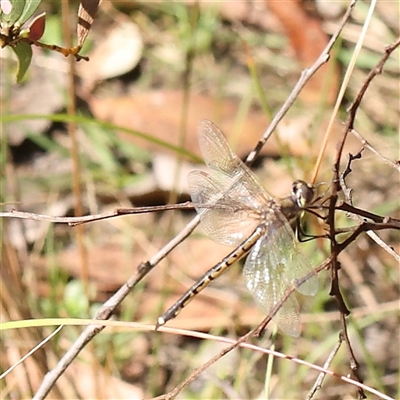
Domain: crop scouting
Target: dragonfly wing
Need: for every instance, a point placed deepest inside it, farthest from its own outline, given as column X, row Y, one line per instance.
column 236, row 176
column 297, row 266
column 273, row 265
column 225, row 219
column 215, row 149
column 264, row 274
column 300, row 267
column 287, row 317
column 234, row 190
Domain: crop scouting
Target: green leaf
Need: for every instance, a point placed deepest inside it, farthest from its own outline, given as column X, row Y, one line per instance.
column 17, row 7
column 30, row 7
column 23, row 52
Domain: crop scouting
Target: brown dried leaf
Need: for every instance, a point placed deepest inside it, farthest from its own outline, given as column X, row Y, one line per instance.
column 308, row 40
column 86, row 14
column 138, row 113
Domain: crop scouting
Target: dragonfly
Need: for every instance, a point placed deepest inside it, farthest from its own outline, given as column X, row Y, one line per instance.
column 236, row 210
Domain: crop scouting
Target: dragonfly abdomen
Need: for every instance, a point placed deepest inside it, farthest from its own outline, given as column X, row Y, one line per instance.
column 212, row 274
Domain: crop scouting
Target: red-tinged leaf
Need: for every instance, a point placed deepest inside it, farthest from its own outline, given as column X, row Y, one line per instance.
column 37, row 26
column 23, row 51
column 86, row 14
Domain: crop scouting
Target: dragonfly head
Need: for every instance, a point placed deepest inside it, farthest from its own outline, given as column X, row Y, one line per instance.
column 302, row 193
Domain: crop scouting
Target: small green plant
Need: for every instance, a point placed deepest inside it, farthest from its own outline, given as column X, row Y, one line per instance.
column 13, row 15
column 20, row 35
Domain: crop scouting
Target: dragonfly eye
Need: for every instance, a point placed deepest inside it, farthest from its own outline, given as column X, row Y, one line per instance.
column 302, row 193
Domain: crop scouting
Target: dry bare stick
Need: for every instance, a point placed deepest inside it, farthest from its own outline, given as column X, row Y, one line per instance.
column 72, row 221
column 335, row 289
column 29, row 354
column 358, row 214
column 108, row 308
column 305, row 76
column 321, row 376
column 393, row 164
column 367, row 145
column 361, row 213
column 343, row 206
column 117, row 212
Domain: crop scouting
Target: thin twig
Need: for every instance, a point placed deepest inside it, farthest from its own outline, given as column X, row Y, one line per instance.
column 305, row 76
column 321, row 376
column 29, row 354
column 72, row 221
column 367, row 145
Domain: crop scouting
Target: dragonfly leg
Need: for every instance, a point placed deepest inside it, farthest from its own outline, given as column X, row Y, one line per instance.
column 302, row 236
